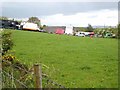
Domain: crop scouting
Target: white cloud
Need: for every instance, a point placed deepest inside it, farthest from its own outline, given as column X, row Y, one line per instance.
column 107, row 17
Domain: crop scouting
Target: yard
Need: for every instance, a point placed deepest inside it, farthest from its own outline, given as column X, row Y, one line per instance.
column 72, row 61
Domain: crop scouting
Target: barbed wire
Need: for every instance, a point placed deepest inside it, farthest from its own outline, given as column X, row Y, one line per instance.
column 25, row 72
column 17, row 66
column 53, row 82
column 14, row 78
column 44, row 76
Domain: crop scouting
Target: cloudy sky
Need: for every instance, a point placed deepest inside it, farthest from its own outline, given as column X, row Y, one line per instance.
column 64, row 13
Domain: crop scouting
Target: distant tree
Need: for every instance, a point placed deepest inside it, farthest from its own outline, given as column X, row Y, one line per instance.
column 83, row 29
column 34, row 20
column 103, row 33
column 100, row 32
column 90, row 28
column 42, row 27
column 96, row 30
column 3, row 18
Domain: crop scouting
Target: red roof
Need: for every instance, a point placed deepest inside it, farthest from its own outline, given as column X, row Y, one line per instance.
column 59, row 31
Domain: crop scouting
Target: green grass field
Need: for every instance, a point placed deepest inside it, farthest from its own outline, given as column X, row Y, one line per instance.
column 73, row 61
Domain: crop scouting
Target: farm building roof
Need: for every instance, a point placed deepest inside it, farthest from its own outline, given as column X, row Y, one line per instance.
column 52, row 29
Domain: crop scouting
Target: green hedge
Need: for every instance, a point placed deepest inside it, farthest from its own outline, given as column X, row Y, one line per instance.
column 7, row 42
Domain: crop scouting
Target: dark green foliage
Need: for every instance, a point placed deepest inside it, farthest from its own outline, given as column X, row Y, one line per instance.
column 82, row 29
column 34, row 20
column 79, row 29
column 89, row 28
column 7, row 42
column 103, row 31
column 42, row 27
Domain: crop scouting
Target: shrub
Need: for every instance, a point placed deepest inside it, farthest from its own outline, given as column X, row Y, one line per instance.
column 7, row 60
column 7, row 42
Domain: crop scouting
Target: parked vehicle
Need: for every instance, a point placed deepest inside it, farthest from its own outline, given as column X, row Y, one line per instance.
column 80, row 34
column 83, row 34
column 30, row 26
column 108, row 35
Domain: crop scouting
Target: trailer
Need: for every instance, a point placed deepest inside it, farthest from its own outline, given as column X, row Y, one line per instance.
column 30, row 26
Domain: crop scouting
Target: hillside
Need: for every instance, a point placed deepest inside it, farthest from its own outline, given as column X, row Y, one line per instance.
column 73, row 61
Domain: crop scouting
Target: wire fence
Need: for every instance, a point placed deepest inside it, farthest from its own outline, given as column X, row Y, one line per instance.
column 19, row 76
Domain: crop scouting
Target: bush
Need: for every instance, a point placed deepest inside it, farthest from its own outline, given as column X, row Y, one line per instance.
column 7, row 42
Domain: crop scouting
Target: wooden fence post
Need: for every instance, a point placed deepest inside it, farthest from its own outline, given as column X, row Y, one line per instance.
column 38, row 76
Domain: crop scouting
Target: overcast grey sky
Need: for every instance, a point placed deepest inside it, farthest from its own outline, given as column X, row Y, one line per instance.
column 54, row 13
column 27, row 9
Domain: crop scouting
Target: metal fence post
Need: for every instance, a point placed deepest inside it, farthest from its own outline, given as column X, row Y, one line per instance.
column 38, row 76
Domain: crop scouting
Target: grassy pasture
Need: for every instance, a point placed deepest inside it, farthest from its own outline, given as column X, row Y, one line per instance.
column 73, row 61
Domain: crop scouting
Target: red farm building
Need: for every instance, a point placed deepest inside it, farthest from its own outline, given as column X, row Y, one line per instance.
column 59, row 31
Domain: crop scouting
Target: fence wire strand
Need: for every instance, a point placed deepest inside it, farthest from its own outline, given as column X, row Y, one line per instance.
column 52, row 82
column 18, row 66
column 11, row 77
column 44, row 76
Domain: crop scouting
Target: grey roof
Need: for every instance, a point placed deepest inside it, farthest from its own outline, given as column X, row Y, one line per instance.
column 52, row 29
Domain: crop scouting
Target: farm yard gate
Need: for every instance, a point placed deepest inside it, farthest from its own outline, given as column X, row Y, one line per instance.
column 19, row 76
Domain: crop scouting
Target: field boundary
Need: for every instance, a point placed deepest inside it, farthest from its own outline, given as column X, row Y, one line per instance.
column 10, row 80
